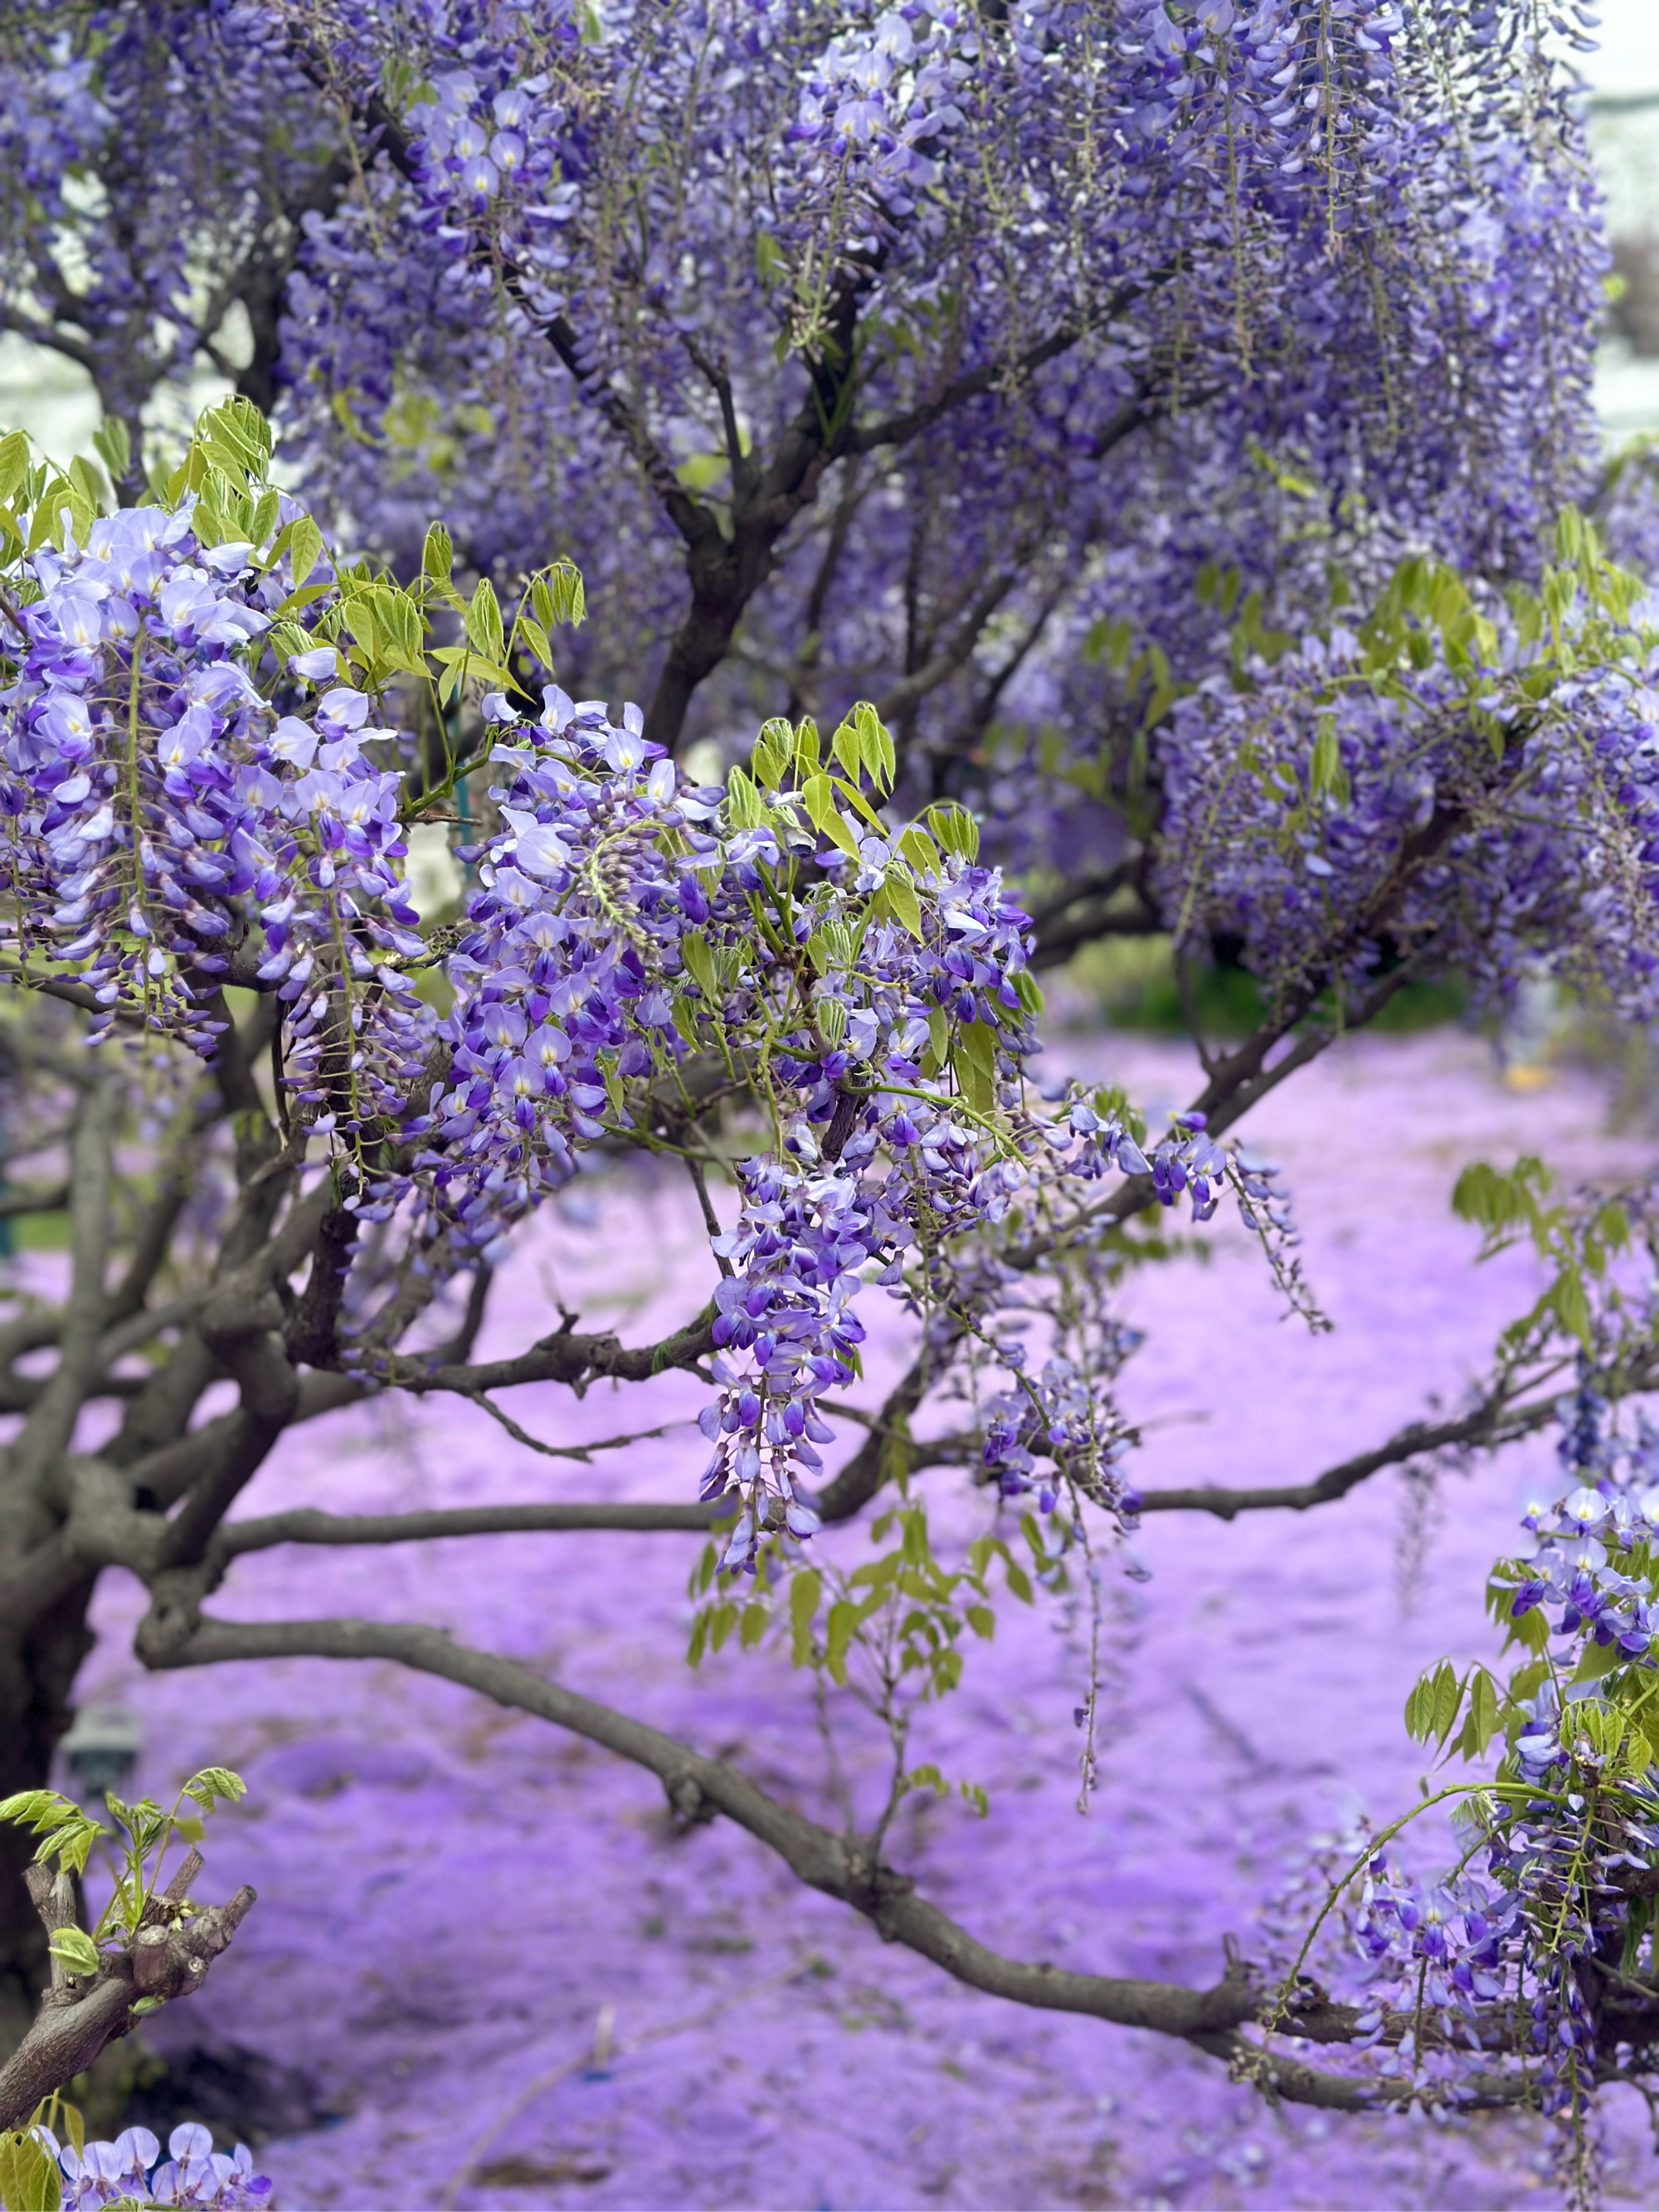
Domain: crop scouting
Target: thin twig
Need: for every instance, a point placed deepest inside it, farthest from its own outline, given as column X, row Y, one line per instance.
column 582, row 1452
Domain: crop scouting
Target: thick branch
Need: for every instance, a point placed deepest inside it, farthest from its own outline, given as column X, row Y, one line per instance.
column 824, row 1861
column 51, row 1421
column 305, row 1525
column 697, row 1787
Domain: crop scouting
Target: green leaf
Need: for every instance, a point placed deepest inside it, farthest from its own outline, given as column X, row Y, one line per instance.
column 73, row 1948
column 266, row 509
column 983, row 1622
column 400, row 624
column 745, row 804
column 924, row 1778
column 1419, row 1709
column 13, row 464
column 1599, row 1659
column 1326, row 777
column 68, row 1833
column 1571, row 1306
column 955, row 830
column 1481, row 1724
column 699, row 958
column 771, row 754
column 899, row 886
column 84, row 478
column 564, row 582
column 536, row 637
column 483, row 620
column 701, row 471
column 30, row 2180
column 838, row 1634
column 114, row 446
column 845, row 747
column 215, row 1782
column 359, row 617
column 753, row 1627
column 1447, row 1697
column 304, row 547
column 975, row 1061
column 803, row 1595
column 437, row 553
column 819, row 798
column 919, row 849
column 872, row 747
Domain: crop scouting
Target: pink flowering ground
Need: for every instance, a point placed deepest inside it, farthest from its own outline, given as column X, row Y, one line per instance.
column 483, row 1945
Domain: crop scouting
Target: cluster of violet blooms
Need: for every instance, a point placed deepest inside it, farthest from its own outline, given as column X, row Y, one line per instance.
column 167, row 829
column 921, row 151
column 131, row 2168
column 573, row 946
column 149, row 797
column 1557, row 874
column 1447, row 1953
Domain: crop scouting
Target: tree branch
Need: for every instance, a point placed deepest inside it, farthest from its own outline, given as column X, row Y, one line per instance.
column 824, row 1861
column 83, row 2013
column 46, row 1431
column 1488, row 1426
column 899, row 430
column 838, row 1866
column 567, row 1358
column 305, row 1525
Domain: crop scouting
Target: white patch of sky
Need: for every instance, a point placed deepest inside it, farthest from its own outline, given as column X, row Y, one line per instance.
column 1625, row 68
column 1627, row 57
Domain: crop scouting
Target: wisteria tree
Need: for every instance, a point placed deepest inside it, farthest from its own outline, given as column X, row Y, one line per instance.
column 1127, row 461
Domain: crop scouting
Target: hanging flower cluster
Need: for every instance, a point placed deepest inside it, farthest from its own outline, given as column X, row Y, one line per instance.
column 1439, row 775
column 1548, row 1913
column 166, row 831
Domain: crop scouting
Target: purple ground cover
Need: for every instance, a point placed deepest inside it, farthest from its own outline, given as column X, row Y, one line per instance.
column 483, row 1943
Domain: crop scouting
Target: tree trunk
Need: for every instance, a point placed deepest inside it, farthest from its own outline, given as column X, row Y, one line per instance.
column 37, row 1672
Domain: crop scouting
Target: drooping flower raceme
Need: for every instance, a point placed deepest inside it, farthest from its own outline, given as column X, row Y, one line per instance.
column 1551, row 1895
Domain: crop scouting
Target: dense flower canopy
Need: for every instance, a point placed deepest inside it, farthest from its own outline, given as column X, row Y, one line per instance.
column 199, row 794
column 1124, row 458
column 919, row 342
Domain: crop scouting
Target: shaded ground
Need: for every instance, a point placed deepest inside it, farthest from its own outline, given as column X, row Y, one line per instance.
column 482, row 1942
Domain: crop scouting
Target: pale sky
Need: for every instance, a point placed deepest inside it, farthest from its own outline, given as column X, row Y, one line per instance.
column 1628, row 61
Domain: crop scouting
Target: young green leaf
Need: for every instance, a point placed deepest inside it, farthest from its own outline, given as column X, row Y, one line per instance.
column 73, row 1948
column 803, row 1595
column 13, row 464
column 30, row 2179
column 483, row 620
column 304, row 548
column 437, row 553
column 900, row 887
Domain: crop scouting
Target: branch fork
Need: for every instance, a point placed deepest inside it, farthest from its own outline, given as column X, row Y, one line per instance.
column 168, row 1957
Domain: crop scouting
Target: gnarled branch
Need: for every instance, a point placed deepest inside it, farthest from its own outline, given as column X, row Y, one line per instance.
column 839, row 1867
